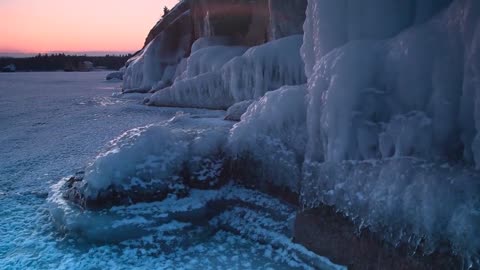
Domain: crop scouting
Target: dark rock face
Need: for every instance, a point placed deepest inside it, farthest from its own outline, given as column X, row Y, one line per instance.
column 247, row 22
column 286, row 18
column 328, row 233
column 168, row 20
column 73, row 191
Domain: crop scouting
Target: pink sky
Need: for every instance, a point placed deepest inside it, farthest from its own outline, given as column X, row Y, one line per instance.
column 33, row 26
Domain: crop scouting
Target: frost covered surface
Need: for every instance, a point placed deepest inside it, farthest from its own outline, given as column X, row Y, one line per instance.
column 272, row 134
column 212, row 77
column 172, row 228
column 393, row 123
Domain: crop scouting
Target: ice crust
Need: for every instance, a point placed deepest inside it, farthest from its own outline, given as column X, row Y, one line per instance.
column 168, row 229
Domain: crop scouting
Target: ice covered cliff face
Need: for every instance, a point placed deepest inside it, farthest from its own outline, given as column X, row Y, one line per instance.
column 393, row 118
column 241, row 23
column 218, row 76
column 158, row 60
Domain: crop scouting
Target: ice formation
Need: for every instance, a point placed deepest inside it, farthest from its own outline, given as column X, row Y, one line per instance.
column 197, row 81
column 271, row 137
column 264, row 68
column 405, row 96
column 209, row 80
column 153, row 64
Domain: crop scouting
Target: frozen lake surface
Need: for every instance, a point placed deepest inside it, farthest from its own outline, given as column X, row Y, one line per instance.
column 52, row 125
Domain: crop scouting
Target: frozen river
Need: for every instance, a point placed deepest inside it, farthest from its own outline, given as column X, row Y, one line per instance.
column 51, row 125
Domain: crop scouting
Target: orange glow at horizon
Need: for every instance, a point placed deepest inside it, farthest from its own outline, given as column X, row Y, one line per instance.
column 33, row 26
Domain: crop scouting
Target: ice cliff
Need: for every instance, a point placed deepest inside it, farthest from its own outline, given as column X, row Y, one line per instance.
column 374, row 110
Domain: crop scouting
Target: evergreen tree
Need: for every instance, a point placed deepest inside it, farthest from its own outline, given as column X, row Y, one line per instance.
column 165, row 11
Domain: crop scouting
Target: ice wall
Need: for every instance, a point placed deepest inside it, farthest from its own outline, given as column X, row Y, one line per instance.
column 369, row 97
column 338, row 22
column 393, row 118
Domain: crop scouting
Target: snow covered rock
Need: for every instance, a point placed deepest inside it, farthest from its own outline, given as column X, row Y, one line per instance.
column 151, row 162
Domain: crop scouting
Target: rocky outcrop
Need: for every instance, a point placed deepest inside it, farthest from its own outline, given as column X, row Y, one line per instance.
column 286, row 18
column 327, row 232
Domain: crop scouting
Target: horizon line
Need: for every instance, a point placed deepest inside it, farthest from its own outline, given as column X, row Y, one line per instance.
column 88, row 53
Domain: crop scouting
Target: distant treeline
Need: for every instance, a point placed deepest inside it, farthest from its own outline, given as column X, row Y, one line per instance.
column 60, row 61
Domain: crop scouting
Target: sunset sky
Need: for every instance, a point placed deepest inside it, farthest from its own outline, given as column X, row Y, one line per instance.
column 33, row 26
